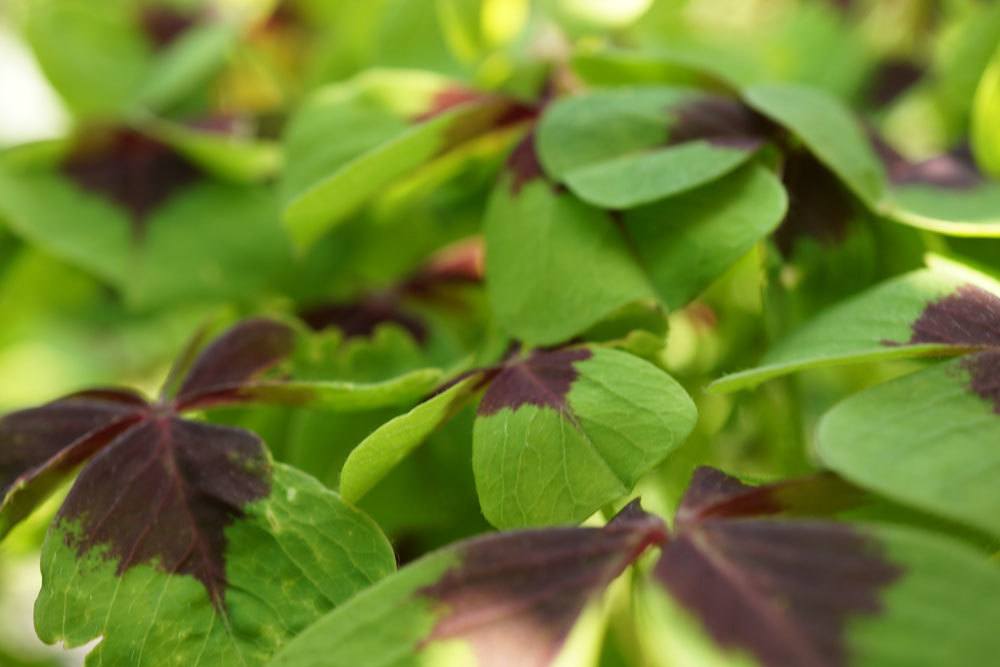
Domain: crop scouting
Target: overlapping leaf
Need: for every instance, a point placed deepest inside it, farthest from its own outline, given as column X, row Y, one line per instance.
column 775, row 591
column 504, row 599
column 928, row 439
column 875, row 325
column 187, row 508
column 586, row 263
column 40, row 446
column 125, row 206
column 357, row 138
column 549, row 443
column 626, row 147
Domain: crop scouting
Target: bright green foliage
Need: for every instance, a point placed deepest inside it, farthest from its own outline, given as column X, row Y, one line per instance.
column 924, row 439
column 686, row 242
column 537, row 465
column 985, row 129
column 294, row 556
column 381, row 451
column 574, row 256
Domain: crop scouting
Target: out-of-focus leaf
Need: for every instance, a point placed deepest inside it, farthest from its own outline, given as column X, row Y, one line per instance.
column 828, row 130
column 626, row 147
column 985, row 128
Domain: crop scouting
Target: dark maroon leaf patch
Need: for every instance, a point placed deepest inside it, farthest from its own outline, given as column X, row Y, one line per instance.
column 892, row 78
column 783, row 590
column 163, row 492
column 721, row 121
column 130, row 169
column 157, row 489
column 819, row 206
column 163, row 24
column 433, row 283
column 953, row 170
column 970, row 317
column 515, row 596
column 523, row 164
column 542, row 379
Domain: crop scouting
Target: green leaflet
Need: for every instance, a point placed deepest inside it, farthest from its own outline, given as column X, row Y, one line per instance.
column 535, row 464
column 91, row 52
column 922, row 621
column 48, row 211
column 295, row 555
column 828, row 129
column 382, row 451
column 573, row 257
column 609, row 147
column 679, row 63
column 241, row 249
column 872, row 326
column 96, row 57
column 358, row 138
column 973, row 211
column 925, row 439
column 584, row 267
column 688, row 241
column 186, row 64
column 235, row 158
column 985, row 129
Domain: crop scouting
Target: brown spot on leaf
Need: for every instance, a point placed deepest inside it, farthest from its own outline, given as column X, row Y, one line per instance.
column 783, row 590
column 892, row 78
column 360, row 318
column 523, row 164
column 515, row 596
column 130, row 169
column 721, row 121
column 163, row 494
column 969, row 317
column 163, row 24
column 447, row 99
column 542, row 379
column 819, row 206
column 953, row 170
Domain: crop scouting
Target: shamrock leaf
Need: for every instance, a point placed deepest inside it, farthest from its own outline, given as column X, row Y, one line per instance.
column 503, row 599
column 770, row 588
column 626, row 147
column 164, row 501
column 547, row 444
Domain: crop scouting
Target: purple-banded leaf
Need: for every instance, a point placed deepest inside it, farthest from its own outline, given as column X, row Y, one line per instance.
column 187, row 508
column 356, row 138
column 234, row 358
column 775, row 591
column 503, row 599
column 875, row 325
column 550, row 441
column 129, row 169
column 819, row 205
column 622, row 148
column 927, row 439
column 41, row 446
